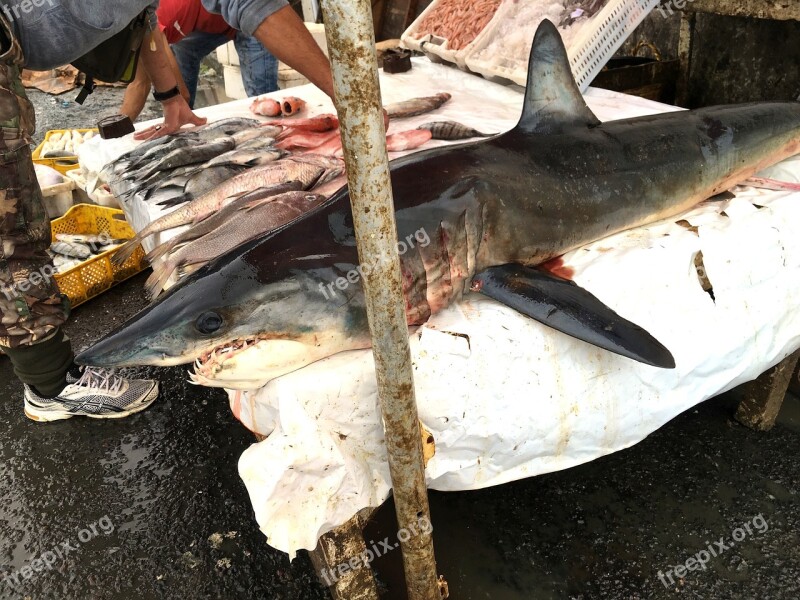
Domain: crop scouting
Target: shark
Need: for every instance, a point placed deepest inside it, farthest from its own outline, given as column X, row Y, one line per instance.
column 478, row 217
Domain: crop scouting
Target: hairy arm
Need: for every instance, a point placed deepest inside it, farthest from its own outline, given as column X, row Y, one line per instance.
column 286, row 37
column 136, row 93
column 157, row 65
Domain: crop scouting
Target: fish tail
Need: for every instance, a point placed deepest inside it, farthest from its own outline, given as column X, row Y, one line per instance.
column 158, row 278
column 160, row 251
column 126, row 250
column 182, row 199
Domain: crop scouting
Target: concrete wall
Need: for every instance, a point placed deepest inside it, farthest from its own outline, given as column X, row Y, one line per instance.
column 734, row 59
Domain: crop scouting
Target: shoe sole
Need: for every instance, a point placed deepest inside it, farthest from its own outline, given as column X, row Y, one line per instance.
column 43, row 416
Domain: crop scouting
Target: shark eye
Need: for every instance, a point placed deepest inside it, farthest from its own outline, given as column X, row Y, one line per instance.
column 208, row 322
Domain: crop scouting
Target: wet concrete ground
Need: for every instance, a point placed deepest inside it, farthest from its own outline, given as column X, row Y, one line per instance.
column 183, row 528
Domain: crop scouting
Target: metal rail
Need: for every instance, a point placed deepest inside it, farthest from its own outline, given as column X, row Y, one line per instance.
column 351, row 46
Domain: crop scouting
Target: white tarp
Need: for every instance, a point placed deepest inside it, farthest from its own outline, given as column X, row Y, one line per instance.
column 506, row 397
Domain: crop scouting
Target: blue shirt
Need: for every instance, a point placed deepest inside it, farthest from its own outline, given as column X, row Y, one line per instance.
column 56, row 32
column 244, row 15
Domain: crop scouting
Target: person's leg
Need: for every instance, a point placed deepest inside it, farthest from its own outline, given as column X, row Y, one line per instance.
column 32, row 309
column 190, row 52
column 259, row 67
column 30, row 303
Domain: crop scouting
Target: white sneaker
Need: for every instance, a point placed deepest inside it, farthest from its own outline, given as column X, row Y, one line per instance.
column 97, row 394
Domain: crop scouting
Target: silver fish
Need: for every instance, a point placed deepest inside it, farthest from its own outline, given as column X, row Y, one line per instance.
column 191, row 155
column 210, row 202
column 259, row 216
column 73, row 250
column 215, row 220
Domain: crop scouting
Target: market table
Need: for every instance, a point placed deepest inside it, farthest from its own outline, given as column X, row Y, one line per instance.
column 502, row 396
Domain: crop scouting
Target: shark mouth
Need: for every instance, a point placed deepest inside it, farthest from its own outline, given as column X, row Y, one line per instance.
column 211, row 363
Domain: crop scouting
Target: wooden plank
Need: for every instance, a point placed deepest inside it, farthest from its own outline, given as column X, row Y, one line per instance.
column 378, row 8
column 763, row 397
column 685, row 57
column 339, row 561
column 395, row 17
column 777, row 10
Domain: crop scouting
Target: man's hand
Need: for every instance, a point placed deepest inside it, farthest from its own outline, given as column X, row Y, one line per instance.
column 176, row 111
column 176, row 114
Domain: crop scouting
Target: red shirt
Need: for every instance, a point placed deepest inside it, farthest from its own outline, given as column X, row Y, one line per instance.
column 179, row 18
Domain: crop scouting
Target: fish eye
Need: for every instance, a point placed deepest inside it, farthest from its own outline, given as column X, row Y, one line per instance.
column 208, row 322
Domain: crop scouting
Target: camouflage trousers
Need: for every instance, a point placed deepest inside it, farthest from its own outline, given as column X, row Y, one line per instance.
column 31, row 306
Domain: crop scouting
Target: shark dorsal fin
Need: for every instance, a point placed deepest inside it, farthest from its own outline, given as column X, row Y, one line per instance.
column 552, row 98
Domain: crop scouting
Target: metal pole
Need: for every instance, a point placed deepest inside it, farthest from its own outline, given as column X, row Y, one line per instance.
column 351, row 47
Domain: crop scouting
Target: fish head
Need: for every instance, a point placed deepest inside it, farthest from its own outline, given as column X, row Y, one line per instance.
column 244, row 323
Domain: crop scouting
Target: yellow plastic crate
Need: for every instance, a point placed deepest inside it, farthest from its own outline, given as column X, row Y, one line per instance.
column 62, row 164
column 98, row 274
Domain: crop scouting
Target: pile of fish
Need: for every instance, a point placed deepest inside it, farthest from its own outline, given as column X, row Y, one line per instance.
column 72, row 250
column 457, row 21
column 236, row 178
column 62, row 144
column 510, row 42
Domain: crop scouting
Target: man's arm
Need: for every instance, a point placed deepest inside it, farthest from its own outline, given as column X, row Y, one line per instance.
column 136, row 93
column 275, row 24
column 176, row 111
column 286, row 37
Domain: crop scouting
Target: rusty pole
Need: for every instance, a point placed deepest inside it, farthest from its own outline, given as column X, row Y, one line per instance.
column 351, row 46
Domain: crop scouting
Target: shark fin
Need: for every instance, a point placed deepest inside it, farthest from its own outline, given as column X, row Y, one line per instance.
column 566, row 307
column 552, row 98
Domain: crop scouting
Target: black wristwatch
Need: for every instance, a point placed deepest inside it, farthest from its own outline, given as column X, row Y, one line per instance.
column 161, row 96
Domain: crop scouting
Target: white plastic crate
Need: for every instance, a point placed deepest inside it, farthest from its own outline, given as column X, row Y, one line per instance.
column 435, row 47
column 591, row 46
column 598, row 44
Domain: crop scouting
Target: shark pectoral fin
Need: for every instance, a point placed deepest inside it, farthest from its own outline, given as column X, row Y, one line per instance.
column 567, row 307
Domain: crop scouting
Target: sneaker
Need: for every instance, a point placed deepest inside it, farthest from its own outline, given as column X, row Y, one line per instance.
column 94, row 393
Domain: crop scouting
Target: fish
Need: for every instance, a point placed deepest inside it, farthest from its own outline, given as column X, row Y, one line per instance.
column 451, row 130
column 71, row 249
column 259, row 215
column 189, row 156
column 305, row 140
column 246, row 157
column 268, row 107
column 474, row 217
column 291, row 105
column 212, row 201
column 772, row 184
column 416, row 106
column 90, row 240
column 215, row 220
column 407, row 140
column 320, row 123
